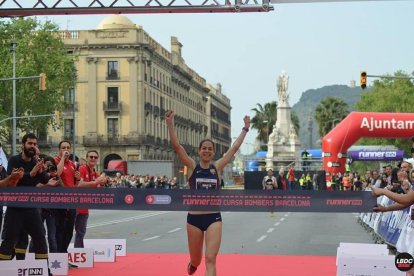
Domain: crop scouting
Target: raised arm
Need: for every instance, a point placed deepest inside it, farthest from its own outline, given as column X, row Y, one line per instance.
column 13, row 178
column 222, row 162
column 389, row 208
column 403, row 199
column 175, row 143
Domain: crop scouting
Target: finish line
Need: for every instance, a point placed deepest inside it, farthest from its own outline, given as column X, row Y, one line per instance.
column 186, row 200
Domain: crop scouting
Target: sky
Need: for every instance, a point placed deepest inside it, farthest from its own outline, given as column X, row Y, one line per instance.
column 317, row 44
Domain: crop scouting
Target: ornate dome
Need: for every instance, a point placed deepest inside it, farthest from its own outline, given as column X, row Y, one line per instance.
column 116, row 21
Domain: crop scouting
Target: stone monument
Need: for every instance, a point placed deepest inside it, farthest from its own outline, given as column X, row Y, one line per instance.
column 283, row 142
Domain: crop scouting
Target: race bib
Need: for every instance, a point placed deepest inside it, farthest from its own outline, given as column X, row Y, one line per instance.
column 206, row 184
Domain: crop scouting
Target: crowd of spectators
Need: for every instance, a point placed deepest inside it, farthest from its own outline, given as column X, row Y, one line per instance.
column 142, row 182
column 397, row 179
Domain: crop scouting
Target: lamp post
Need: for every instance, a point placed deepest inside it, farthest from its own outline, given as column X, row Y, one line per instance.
column 13, row 50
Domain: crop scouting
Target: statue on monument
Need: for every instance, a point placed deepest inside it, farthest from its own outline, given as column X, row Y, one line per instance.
column 282, row 87
column 274, row 136
column 292, row 132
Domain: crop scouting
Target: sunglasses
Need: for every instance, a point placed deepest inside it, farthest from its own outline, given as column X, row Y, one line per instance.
column 93, row 157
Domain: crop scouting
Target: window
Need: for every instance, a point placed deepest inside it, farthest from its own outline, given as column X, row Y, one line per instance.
column 113, row 70
column 69, row 96
column 113, row 127
column 68, row 128
column 112, row 99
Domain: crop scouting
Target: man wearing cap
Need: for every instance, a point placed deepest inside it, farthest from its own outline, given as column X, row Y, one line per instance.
column 269, row 181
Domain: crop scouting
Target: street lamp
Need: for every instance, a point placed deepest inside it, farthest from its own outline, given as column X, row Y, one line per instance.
column 13, row 50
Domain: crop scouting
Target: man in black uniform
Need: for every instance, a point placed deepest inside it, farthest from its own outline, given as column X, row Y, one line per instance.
column 18, row 220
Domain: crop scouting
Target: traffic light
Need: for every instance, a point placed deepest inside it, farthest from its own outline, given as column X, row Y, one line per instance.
column 363, row 80
column 42, row 82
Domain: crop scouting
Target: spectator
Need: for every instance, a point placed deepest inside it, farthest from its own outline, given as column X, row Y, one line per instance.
column 65, row 218
column 89, row 178
column 269, row 182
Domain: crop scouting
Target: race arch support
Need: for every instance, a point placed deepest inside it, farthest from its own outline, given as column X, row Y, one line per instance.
column 362, row 124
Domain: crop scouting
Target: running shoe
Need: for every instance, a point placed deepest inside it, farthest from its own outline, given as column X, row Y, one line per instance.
column 191, row 269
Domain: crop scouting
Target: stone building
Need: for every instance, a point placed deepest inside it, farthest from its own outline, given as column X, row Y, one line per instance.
column 126, row 81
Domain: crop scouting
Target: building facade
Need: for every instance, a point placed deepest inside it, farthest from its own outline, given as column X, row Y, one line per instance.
column 126, row 81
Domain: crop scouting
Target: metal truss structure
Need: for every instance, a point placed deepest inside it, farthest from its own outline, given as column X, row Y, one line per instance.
column 19, row 8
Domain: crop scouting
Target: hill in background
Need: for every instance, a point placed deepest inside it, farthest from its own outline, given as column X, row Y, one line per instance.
column 308, row 102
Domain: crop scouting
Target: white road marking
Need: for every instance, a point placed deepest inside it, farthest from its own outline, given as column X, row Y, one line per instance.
column 276, row 224
column 151, row 238
column 270, row 230
column 174, row 230
column 110, row 222
column 261, row 238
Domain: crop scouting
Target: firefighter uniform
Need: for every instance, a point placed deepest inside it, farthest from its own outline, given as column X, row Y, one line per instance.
column 20, row 220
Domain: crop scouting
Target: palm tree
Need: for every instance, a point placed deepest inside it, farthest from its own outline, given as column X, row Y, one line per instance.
column 331, row 110
column 264, row 119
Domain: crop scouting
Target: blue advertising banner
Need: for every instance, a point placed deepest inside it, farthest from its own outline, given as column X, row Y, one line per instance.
column 376, row 155
column 185, row 200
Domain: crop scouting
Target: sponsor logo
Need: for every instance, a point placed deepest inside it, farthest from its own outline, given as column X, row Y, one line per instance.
column 158, row 199
column 29, row 271
column 129, row 199
column 77, row 257
column 371, row 124
column 118, row 246
column 55, row 264
column 404, row 261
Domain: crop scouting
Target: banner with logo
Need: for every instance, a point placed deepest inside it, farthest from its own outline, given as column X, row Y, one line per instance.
column 376, row 155
column 395, row 226
column 405, row 241
column 184, row 200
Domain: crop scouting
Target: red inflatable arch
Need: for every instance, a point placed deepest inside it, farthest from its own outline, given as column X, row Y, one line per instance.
column 362, row 124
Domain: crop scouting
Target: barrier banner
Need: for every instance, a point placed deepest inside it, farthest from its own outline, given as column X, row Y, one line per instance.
column 184, row 200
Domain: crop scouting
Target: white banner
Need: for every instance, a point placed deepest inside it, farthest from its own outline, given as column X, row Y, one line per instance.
column 58, row 262
column 119, row 244
column 405, row 241
column 81, row 257
column 3, row 159
column 24, row 268
column 104, row 253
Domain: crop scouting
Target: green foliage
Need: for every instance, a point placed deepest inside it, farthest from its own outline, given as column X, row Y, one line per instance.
column 39, row 50
column 264, row 120
column 329, row 113
column 388, row 95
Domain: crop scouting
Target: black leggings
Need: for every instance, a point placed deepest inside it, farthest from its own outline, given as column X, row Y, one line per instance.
column 203, row 221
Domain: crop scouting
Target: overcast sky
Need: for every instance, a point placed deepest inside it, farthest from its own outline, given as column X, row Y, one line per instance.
column 317, row 44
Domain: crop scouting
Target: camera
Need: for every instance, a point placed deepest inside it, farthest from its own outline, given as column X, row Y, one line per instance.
column 51, row 167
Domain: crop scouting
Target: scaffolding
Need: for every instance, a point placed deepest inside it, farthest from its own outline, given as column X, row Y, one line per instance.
column 20, row 8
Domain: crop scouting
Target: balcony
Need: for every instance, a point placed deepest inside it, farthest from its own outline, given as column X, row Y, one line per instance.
column 113, row 75
column 112, row 107
column 70, row 107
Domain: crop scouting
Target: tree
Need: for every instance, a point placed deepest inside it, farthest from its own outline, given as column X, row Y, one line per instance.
column 265, row 118
column 331, row 110
column 388, row 95
column 39, row 50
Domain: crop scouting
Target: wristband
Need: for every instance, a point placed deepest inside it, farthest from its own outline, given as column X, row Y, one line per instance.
column 245, row 129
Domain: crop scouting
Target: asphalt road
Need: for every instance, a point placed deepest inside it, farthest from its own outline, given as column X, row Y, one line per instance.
column 316, row 234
